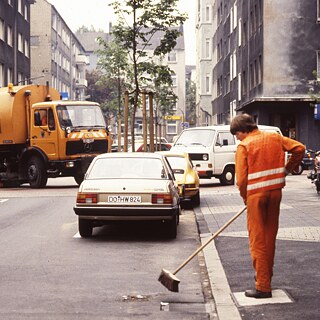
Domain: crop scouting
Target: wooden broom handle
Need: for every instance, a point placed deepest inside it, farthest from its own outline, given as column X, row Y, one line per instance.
column 210, row 239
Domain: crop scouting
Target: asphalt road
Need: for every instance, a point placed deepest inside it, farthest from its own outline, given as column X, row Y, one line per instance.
column 49, row 272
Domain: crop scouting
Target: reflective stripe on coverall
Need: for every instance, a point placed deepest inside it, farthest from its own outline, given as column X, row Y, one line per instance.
column 260, row 176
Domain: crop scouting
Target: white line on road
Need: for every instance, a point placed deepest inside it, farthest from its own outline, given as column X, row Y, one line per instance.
column 3, row 200
column 77, row 235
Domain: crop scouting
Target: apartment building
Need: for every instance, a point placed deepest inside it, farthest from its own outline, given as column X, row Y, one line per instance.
column 171, row 126
column 14, row 41
column 264, row 55
column 57, row 56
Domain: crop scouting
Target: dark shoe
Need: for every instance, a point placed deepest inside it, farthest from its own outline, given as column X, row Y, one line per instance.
column 258, row 294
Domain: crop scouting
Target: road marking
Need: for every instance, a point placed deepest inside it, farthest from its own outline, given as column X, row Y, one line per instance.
column 3, row 200
column 278, row 296
column 77, row 235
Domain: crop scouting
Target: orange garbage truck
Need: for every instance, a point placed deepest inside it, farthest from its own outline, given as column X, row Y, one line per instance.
column 44, row 137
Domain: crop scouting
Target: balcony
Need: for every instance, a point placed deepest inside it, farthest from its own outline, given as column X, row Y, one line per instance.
column 82, row 60
column 81, row 83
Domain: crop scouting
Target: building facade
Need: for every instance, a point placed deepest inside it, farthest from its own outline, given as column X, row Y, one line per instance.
column 265, row 55
column 57, row 56
column 15, row 42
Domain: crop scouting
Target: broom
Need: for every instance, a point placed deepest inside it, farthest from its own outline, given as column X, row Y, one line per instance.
column 169, row 280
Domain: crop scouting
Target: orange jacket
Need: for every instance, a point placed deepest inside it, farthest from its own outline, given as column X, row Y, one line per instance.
column 260, row 161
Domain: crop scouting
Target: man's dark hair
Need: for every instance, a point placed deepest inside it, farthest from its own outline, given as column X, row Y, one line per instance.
column 243, row 123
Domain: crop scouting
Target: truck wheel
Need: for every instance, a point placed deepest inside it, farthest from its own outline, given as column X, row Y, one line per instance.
column 85, row 228
column 78, row 178
column 36, row 173
column 227, row 177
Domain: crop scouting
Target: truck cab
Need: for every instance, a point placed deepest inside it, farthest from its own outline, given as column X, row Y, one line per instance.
column 43, row 138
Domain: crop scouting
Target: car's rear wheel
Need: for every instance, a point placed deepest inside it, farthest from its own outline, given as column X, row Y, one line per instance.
column 172, row 227
column 85, row 228
column 195, row 200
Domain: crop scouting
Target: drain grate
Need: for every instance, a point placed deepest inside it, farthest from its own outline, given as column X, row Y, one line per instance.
column 190, row 307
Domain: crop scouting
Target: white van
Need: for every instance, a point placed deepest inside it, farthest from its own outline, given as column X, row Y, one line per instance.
column 212, row 150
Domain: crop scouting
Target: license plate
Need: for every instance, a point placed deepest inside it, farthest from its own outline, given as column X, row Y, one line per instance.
column 124, row 199
column 88, row 140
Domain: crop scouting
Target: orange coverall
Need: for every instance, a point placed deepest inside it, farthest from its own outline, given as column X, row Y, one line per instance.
column 260, row 177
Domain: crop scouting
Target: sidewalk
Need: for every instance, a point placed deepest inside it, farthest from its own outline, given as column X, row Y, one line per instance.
column 296, row 280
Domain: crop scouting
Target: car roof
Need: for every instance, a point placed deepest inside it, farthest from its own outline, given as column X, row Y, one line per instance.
column 174, row 154
column 130, row 155
column 215, row 127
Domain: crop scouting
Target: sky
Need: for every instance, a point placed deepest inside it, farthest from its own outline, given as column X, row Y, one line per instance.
column 97, row 13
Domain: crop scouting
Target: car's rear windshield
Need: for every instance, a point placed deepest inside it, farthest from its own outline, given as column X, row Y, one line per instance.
column 199, row 137
column 127, row 168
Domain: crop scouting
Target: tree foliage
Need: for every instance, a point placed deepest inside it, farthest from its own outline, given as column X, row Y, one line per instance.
column 191, row 102
column 139, row 21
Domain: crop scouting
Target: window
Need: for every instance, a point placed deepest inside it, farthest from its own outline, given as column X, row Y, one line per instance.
column 239, row 32
column 171, row 127
column 235, row 15
column 251, row 76
column 172, row 56
column 10, row 2
column 239, row 86
column 225, row 138
column 2, row 30
column 260, row 69
column 318, row 64
column 54, row 22
column 20, row 6
column 20, row 42
column 1, row 75
column 244, row 83
column 245, row 33
column 208, row 14
column 174, row 80
column 233, row 107
column 207, row 83
column 9, row 36
column 207, row 48
column 40, row 117
column 26, row 48
column 26, row 12
column 9, row 75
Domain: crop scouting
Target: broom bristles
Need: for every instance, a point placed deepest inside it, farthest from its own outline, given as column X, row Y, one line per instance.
column 169, row 280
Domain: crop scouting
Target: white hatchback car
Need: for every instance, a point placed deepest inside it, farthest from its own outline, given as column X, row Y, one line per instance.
column 128, row 186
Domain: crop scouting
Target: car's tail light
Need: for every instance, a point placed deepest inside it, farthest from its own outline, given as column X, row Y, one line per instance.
column 87, row 198
column 162, row 198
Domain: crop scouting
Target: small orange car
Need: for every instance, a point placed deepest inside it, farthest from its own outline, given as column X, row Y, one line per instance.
column 186, row 176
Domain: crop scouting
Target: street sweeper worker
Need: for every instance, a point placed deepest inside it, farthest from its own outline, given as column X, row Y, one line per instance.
column 260, row 177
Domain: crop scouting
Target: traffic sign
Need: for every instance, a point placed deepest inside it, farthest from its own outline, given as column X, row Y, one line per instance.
column 172, row 117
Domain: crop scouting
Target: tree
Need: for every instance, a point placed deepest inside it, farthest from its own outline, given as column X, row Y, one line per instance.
column 139, row 22
column 113, row 61
column 191, row 102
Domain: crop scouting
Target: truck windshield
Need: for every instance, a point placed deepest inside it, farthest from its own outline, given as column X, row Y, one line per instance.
column 199, row 137
column 80, row 116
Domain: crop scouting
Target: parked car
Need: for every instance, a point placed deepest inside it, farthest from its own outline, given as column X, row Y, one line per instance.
column 163, row 146
column 128, row 187
column 186, row 175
